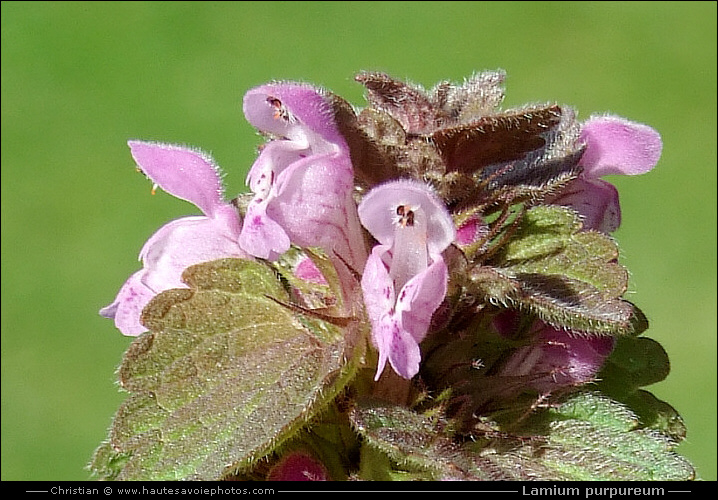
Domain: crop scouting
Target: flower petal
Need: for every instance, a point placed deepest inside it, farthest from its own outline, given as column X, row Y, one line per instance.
column 471, row 231
column 261, row 236
column 312, row 201
column 185, row 173
column 192, row 176
column 596, row 201
column 615, row 145
column 274, row 158
column 296, row 111
column 398, row 346
column 398, row 328
column 127, row 307
column 307, row 271
column 421, row 297
column 166, row 254
column 570, row 359
column 377, row 286
column 182, row 243
column 415, row 306
column 377, row 213
column 298, row 466
column 558, row 358
column 303, row 178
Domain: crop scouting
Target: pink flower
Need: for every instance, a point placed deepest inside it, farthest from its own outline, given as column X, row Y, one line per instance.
column 555, row 358
column 307, row 271
column 298, row 466
column 471, row 230
column 614, row 146
column 192, row 176
column 405, row 278
column 560, row 359
column 303, row 178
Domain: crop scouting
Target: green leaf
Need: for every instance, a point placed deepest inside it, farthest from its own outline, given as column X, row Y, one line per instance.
column 634, row 363
column 225, row 375
column 588, row 437
column 569, row 278
column 548, row 241
column 611, row 444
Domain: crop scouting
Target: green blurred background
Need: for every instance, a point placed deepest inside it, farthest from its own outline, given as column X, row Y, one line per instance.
column 80, row 79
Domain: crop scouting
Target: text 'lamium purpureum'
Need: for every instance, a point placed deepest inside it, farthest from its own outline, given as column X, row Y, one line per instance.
column 424, row 288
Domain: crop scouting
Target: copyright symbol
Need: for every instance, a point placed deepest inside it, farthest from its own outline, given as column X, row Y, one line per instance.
column 108, row 490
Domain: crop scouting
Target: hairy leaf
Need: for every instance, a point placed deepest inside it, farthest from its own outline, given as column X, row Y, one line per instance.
column 225, row 375
column 409, row 105
column 455, row 138
column 365, row 135
column 495, row 139
column 569, row 278
column 588, row 437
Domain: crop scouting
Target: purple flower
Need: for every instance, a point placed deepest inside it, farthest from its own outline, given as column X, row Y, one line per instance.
column 471, row 230
column 405, row 278
column 298, row 466
column 614, row 146
column 307, row 271
column 303, row 178
column 559, row 359
column 192, row 176
column 555, row 358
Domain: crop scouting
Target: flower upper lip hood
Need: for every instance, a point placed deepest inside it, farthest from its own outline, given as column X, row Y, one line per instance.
column 303, row 178
column 614, row 146
column 294, row 111
column 405, row 278
column 192, row 176
column 377, row 213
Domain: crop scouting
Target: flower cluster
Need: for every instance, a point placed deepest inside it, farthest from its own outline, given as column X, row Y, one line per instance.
column 425, row 203
column 303, row 185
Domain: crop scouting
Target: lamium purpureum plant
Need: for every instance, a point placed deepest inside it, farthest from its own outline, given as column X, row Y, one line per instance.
column 424, row 288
